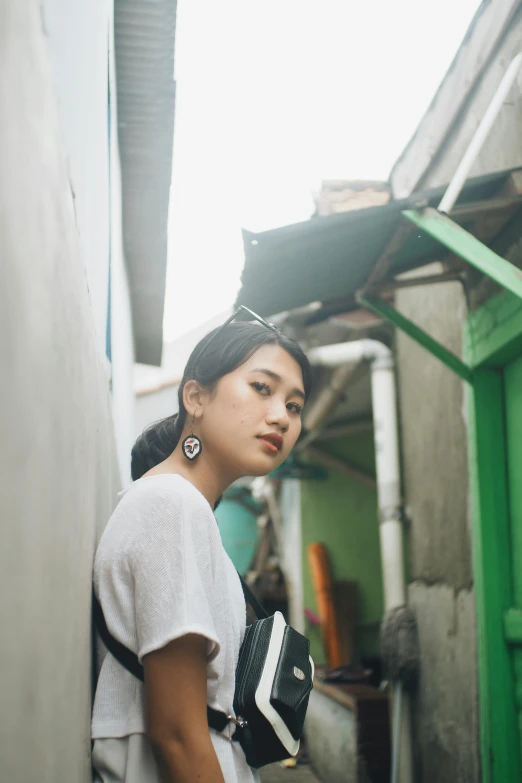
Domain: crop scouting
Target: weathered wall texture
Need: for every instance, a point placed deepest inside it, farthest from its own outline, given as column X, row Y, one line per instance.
column 434, row 438
column 58, row 469
column 445, row 718
column 503, row 148
column 446, row 129
column 433, row 430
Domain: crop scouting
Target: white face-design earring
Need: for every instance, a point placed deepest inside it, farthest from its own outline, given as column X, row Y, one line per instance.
column 192, row 446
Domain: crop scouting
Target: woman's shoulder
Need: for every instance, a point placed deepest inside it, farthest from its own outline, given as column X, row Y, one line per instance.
column 162, row 491
column 152, row 488
column 156, row 504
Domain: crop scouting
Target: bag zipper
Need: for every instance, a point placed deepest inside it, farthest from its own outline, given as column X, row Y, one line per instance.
column 246, row 655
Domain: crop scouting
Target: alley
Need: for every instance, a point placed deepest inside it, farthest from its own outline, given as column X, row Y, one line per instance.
column 275, row 773
column 261, row 361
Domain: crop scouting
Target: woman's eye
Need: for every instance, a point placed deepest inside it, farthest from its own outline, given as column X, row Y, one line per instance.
column 295, row 408
column 262, row 388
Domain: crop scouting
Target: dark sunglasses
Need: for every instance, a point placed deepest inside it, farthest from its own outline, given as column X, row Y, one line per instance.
column 240, row 309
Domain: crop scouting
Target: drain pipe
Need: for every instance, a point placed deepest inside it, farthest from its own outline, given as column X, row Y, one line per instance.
column 386, row 438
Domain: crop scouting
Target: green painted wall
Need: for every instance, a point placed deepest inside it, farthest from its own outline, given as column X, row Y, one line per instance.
column 342, row 513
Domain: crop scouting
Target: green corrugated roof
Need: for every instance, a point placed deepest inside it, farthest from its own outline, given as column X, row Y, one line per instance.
column 330, row 258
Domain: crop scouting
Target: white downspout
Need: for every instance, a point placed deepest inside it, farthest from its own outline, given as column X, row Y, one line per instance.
column 387, row 461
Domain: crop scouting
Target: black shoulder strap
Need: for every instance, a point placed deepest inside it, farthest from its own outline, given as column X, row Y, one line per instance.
column 216, row 720
column 250, row 598
column 123, row 655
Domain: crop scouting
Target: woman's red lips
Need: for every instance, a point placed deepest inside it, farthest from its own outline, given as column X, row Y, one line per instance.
column 273, row 439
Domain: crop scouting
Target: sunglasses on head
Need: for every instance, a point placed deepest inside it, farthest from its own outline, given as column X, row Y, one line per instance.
column 240, row 309
column 255, row 316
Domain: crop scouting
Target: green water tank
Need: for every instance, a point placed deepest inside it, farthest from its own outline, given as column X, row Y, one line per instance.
column 238, row 528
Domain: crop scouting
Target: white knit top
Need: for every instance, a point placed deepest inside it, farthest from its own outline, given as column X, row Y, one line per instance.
column 161, row 572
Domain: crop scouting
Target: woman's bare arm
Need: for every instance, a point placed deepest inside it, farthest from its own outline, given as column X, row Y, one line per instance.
column 176, row 712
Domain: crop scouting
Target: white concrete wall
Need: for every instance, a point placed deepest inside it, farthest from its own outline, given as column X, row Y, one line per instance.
column 123, row 399
column 78, row 32
column 58, row 469
column 81, row 48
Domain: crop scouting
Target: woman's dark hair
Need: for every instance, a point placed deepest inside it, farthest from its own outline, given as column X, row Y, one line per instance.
column 233, row 346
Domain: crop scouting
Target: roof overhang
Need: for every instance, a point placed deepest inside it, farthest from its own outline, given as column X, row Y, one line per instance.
column 331, row 259
column 144, row 47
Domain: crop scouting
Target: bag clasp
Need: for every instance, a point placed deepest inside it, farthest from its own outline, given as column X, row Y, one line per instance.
column 238, row 720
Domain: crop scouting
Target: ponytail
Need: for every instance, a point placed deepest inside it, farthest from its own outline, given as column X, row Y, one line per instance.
column 155, row 444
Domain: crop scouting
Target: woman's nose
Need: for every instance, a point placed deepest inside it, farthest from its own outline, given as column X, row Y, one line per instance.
column 278, row 415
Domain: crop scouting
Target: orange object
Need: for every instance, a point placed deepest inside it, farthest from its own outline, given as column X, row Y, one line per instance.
column 324, row 594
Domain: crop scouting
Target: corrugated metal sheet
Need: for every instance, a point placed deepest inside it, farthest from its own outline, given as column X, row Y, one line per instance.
column 313, row 261
column 144, row 42
column 328, row 259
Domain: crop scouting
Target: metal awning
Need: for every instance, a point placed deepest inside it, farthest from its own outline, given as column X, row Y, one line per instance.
column 329, row 259
column 345, row 261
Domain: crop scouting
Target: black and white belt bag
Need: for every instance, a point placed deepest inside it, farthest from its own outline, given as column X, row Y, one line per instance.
column 274, row 678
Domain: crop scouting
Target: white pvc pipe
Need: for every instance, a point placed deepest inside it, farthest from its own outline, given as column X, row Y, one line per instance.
column 387, row 463
column 459, row 178
column 349, row 353
column 386, row 437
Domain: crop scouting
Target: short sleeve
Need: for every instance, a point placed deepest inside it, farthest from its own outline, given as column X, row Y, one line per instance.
column 172, row 563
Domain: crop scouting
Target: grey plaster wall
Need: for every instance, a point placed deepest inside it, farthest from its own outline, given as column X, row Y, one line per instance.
column 435, row 472
column 58, row 472
column 503, row 147
column 434, row 438
column 445, row 708
column 444, row 133
column 436, row 150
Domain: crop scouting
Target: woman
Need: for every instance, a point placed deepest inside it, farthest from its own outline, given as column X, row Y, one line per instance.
column 167, row 588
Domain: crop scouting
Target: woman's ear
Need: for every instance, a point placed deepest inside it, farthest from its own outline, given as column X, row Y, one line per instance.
column 193, row 398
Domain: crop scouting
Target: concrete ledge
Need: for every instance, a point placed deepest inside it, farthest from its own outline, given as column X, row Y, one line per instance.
column 349, row 695
column 348, row 733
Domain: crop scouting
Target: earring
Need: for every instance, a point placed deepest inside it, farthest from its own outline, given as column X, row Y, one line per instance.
column 192, row 446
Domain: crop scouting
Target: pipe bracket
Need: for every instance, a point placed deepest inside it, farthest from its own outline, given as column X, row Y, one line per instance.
column 392, row 514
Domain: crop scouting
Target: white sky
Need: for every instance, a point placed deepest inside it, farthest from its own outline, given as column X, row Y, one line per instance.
column 272, row 97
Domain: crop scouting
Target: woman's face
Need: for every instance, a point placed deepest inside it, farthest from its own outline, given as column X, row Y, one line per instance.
column 253, row 419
